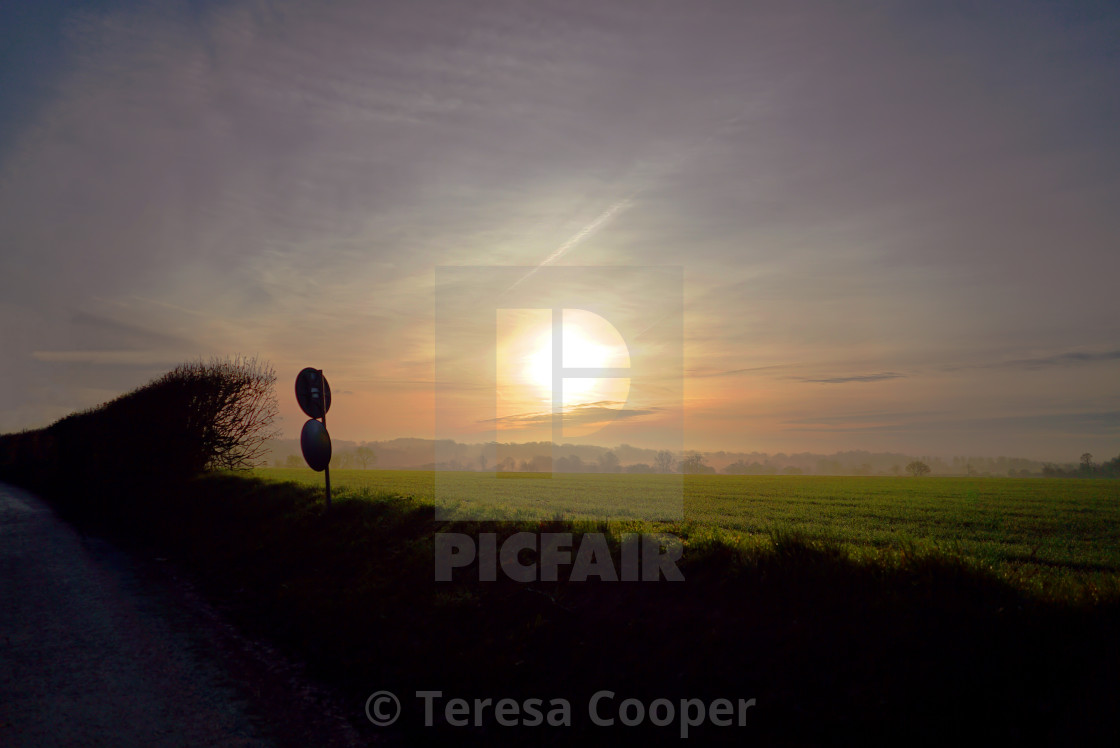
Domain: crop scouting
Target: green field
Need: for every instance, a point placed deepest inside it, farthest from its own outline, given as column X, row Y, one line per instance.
column 1054, row 537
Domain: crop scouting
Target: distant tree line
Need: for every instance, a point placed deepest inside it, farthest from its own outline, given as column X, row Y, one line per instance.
column 742, row 467
column 361, row 458
column 420, row 454
column 1087, row 468
column 607, row 461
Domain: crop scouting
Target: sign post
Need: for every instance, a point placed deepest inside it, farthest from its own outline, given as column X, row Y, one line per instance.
column 314, row 396
column 327, row 468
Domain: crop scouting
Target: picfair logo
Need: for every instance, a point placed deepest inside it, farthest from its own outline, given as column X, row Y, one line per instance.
column 549, row 372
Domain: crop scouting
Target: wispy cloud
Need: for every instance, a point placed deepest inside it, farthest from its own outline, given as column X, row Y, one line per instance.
column 110, row 358
column 853, row 378
column 1089, row 424
column 1067, row 359
column 576, row 238
column 586, row 414
column 1073, row 358
column 710, row 373
column 100, row 332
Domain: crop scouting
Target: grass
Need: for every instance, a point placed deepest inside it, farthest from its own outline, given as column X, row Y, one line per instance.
column 1051, row 538
column 830, row 613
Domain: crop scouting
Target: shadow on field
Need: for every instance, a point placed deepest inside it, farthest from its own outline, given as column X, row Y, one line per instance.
column 924, row 651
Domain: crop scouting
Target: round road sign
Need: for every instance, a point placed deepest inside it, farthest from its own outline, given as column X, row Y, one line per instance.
column 316, row 445
column 312, row 390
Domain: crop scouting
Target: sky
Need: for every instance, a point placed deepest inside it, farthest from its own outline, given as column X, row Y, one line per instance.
column 895, row 224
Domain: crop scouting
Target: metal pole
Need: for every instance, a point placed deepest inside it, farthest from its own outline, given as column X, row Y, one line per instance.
column 323, row 398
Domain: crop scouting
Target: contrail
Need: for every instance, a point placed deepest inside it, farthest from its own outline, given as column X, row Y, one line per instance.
column 577, row 237
column 674, row 163
column 586, row 231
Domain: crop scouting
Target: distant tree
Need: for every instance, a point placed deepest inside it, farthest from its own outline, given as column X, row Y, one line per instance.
column 639, row 467
column 482, row 462
column 569, row 464
column 693, row 462
column 293, row 461
column 537, row 464
column 608, row 462
column 742, row 467
column 739, row 467
column 1111, row 469
column 917, row 468
column 663, row 462
column 364, row 457
column 829, row 467
column 1087, row 465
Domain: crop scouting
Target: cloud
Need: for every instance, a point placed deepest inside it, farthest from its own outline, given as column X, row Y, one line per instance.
column 1089, row 424
column 1072, row 358
column 846, row 420
column 855, row 378
column 709, row 373
column 1069, row 359
column 586, row 414
column 99, row 332
column 145, row 357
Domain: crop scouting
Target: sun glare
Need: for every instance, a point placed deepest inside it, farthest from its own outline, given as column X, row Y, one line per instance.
column 525, row 371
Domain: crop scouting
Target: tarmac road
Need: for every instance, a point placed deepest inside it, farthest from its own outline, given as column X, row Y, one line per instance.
column 95, row 651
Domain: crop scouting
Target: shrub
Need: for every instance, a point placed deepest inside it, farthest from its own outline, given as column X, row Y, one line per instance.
column 230, row 406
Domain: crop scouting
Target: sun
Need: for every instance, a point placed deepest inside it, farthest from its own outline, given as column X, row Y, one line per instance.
column 525, row 371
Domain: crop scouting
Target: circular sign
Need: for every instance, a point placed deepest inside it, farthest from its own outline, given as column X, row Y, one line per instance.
column 312, row 390
column 316, row 445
